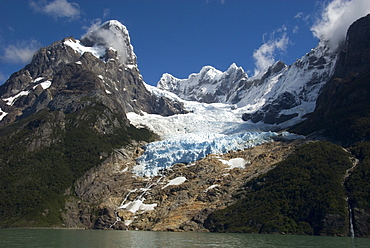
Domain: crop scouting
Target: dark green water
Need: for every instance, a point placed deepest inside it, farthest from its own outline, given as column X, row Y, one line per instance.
column 113, row 239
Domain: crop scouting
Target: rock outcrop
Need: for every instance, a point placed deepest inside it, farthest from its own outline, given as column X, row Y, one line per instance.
column 179, row 199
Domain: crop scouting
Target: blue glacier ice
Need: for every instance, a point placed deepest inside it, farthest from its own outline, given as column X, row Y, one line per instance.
column 192, row 147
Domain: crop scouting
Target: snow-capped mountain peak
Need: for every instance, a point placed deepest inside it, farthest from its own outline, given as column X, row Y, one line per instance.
column 280, row 95
column 209, row 85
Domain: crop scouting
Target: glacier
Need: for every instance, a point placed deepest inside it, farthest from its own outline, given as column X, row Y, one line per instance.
column 215, row 128
column 230, row 111
column 192, row 147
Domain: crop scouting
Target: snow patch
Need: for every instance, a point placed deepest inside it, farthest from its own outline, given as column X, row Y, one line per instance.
column 38, row 79
column 211, row 187
column 11, row 100
column 175, row 181
column 138, row 206
column 235, row 163
column 3, row 114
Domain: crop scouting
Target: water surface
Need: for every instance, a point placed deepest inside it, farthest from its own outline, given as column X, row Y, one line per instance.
column 115, row 239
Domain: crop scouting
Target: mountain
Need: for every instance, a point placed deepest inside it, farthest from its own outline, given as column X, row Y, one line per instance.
column 62, row 74
column 280, row 96
column 342, row 116
column 85, row 143
column 63, row 114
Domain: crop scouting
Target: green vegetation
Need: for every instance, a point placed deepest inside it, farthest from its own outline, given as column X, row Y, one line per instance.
column 358, row 186
column 35, row 177
column 301, row 195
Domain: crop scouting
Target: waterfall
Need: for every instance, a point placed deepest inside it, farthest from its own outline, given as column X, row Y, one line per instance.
column 351, row 231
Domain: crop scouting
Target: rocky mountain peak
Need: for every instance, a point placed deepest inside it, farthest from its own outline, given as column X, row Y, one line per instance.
column 100, row 67
column 112, row 35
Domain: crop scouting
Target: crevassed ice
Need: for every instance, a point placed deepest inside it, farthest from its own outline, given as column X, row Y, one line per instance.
column 192, row 147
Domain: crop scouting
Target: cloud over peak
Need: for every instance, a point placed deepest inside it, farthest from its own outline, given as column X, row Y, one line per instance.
column 57, row 8
column 336, row 17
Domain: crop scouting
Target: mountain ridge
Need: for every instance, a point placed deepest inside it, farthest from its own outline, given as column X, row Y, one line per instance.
column 280, row 95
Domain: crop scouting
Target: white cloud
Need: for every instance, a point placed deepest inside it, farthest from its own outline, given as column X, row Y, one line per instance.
column 299, row 15
column 114, row 39
column 95, row 24
column 336, row 17
column 264, row 56
column 57, row 8
column 20, row 53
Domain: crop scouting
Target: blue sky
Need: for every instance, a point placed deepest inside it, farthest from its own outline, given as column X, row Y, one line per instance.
column 179, row 36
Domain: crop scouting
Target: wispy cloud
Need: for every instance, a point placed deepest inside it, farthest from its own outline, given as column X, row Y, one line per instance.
column 2, row 77
column 95, row 24
column 264, row 56
column 106, row 13
column 219, row 1
column 57, row 8
column 336, row 17
column 21, row 53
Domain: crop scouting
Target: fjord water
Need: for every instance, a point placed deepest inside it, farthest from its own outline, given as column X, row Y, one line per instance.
column 114, row 239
